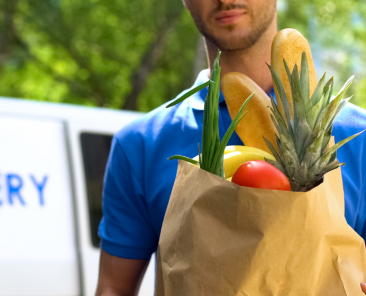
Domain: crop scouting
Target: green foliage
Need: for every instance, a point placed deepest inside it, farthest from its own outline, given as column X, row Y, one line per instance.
column 91, row 52
column 361, row 93
column 336, row 31
column 175, row 71
column 139, row 54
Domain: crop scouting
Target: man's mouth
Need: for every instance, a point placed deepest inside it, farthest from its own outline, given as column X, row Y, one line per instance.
column 229, row 17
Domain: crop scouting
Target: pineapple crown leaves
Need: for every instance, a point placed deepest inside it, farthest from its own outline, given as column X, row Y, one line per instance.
column 302, row 140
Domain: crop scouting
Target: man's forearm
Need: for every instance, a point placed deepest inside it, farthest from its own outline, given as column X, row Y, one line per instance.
column 110, row 292
column 119, row 276
column 363, row 287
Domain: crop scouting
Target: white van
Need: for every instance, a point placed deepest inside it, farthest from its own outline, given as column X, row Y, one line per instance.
column 52, row 162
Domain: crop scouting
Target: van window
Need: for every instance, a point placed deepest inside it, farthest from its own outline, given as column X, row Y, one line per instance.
column 95, row 149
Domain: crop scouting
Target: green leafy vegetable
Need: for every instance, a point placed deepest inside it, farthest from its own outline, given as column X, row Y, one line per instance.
column 211, row 158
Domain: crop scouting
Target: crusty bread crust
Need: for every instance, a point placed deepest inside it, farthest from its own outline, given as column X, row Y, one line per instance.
column 257, row 122
column 289, row 44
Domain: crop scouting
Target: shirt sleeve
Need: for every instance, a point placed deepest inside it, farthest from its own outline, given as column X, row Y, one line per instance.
column 125, row 229
column 363, row 186
column 350, row 121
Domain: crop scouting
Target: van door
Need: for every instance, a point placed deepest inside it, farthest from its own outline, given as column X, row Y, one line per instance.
column 37, row 239
column 90, row 144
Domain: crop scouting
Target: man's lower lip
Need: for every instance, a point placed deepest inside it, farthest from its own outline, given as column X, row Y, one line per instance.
column 229, row 20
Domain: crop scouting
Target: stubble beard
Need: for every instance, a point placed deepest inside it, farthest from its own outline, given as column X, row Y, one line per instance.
column 242, row 41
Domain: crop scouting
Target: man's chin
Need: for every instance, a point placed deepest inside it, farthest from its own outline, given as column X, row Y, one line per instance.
column 232, row 41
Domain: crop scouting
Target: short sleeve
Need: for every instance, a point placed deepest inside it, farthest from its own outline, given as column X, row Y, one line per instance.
column 351, row 121
column 125, row 229
column 363, row 207
column 362, row 210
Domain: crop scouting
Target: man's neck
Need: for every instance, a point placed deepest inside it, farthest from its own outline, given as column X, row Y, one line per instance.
column 251, row 62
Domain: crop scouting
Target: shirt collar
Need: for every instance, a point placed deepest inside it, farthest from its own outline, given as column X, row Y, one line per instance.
column 198, row 99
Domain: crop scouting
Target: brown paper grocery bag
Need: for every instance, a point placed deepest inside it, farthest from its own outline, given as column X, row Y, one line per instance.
column 222, row 239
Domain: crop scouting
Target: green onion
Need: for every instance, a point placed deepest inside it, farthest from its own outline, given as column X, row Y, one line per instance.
column 188, row 94
column 211, row 158
column 187, row 159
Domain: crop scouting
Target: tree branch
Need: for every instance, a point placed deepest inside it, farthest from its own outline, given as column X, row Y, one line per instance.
column 64, row 39
column 7, row 39
column 148, row 63
column 72, row 84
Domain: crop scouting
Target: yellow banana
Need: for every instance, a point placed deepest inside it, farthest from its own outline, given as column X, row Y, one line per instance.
column 235, row 159
column 233, row 148
column 234, row 156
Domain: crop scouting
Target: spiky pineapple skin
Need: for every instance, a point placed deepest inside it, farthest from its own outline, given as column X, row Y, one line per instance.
column 302, row 151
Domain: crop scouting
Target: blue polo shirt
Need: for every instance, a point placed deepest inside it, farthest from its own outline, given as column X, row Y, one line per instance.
column 139, row 178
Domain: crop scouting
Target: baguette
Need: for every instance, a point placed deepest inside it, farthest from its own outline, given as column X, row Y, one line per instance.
column 257, row 122
column 289, row 44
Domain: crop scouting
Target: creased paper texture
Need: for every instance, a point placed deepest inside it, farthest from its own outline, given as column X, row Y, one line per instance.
column 222, row 239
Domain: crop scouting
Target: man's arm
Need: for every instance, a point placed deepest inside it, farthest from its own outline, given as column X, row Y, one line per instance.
column 119, row 276
column 363, row 287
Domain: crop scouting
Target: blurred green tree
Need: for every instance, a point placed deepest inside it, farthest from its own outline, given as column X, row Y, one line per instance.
column 336, row 30
column 138, row 54
column 96, row 52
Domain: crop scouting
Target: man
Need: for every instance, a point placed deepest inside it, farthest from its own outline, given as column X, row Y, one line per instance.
column 139, row 178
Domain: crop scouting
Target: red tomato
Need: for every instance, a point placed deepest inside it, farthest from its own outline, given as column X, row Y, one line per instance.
column 261, row 174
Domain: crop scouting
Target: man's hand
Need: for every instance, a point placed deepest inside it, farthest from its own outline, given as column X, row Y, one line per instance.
column 363, row 287
column 119, row 276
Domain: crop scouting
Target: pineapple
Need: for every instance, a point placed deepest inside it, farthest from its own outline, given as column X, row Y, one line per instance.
column 302, row 153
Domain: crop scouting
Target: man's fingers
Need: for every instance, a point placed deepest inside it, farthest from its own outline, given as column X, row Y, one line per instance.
column 363, row 287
